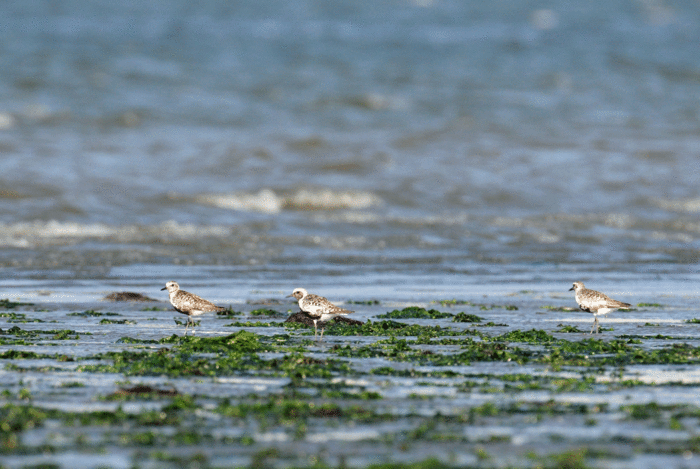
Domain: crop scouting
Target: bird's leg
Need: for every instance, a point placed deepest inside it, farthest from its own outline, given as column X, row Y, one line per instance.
column 315, row 329
column 187, row 324
column 323, row 328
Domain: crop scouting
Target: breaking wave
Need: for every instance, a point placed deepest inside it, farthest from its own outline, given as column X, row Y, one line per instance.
column 39, row 233
column 686, row 205
column 269, row 201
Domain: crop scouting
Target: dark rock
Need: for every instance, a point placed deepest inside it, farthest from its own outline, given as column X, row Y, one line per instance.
column 127, row 296
column 308, row 322
column 144, row 389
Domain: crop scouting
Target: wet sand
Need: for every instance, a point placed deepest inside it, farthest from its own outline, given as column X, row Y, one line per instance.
column 522, row 387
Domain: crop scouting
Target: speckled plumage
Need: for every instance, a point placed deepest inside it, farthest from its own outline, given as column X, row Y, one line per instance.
column 595, row 302
column 318, row 308
column 189, row 303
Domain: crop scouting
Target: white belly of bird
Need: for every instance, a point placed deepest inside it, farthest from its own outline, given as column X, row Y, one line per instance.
column 604, row 311
column 327, row 317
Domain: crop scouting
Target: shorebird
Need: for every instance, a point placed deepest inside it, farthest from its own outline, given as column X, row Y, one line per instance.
column 318, row 308
column 189, row 303
column 595, row 302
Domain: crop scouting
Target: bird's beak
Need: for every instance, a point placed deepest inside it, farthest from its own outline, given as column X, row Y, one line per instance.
column 164, row 288
column 571, row 289
column 289, row 296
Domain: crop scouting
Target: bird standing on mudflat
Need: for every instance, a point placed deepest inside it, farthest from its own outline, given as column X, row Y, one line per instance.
column 189, row 303
column 595, row 302
column 318, row 308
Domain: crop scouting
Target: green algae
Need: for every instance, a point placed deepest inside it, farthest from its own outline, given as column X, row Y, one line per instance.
column 242, row 341
column 388, row 328
column 523, row 382
column 117, row 321
column 464, row 317
column 565, row 328
column 412, row 373
column 21, row 417
column 227, row 313
column 7, row 304
column 238, row 353
column 346, row 395
column 57, row 334
column 183, row 359
column 92, row 313
column 131, row 340
column 454, row 302
column 415, row 312
column 653, row 337
column 431, row 463
column 485, row 307
column 225, row 356
column 311, row 381
column 15, row 419
column 492, row 324
column 399, row 350
column 559, row 309
column 572, row 459
column 504, row 347
column 73, row 384
column 255, row 324
column 19, row 354
column 4, row 341
column 285, row 411
column 364, row 302
column 19, row 318
column 648, row 411
column 194, row 461
column 533, row 336
column 266, row 312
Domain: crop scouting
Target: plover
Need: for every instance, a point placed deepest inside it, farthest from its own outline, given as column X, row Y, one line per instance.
column 318, row 308
column 189, row 303
column 595, row 302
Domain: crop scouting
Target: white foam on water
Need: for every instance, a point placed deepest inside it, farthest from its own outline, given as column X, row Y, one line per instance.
column 269, row 201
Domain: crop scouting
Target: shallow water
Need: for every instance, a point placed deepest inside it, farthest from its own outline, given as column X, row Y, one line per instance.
column 423, row 415
column 404, row 152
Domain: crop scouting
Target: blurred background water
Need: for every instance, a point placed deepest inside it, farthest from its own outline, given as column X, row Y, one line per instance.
column 360, row 145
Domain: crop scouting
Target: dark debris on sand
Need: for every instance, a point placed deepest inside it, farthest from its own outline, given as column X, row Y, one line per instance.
column 145, row 389
column 308, row 322
column 127, row 296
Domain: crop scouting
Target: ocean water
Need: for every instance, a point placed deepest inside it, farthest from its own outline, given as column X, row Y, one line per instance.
column 349, row 146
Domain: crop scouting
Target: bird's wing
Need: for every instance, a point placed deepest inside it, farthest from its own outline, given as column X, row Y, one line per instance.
column 339, row 310
column 315, row 305
column 619, row 304
column 595, row 300
column 190, row 302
